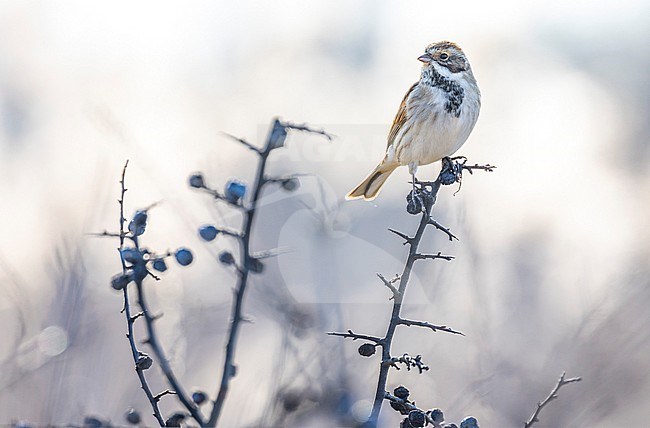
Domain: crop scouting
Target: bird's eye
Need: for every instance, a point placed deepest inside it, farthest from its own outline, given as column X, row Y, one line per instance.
column 444, row 56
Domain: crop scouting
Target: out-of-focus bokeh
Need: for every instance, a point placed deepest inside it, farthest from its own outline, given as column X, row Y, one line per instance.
column 553, row 264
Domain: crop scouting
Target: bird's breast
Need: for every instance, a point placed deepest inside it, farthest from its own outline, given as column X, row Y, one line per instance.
column 437, row 125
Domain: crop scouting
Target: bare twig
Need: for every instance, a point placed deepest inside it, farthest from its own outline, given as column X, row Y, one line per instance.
column 471, row 168
column 390, row 285
column 419, row 256
column 460, row 164
column 282, row 178
column 136, row 316
column 109, row 234
column 121, row 202
column 163, row 393
column 243, row 142
column 443, row 229
column 552, row 396
column 230, row 232
column 354, row 336
column 273, row 252
column 305, row 128
column 406, row 238
column 424, row 324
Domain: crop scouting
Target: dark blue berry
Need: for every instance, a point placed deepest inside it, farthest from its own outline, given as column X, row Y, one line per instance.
column 401, row 392
column 469, row 422
column 367, row 350
column 226, row 258
column 413, row 203
column 255, row 265
column 290, row 184
column 199, row 397
column 94, row 422
column 175, row 419
column 131, row 255
column 448, row 177
column 144, row 361
column 183, row 256
column 208, row 232
column 119, row 281
column 417, row 418
column 436, row 415
column 132, row 416
column 235, row 190
column 159, row 265
column 196, row 181
column 138, row 225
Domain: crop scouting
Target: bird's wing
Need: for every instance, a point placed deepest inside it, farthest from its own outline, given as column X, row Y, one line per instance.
column 400, row 118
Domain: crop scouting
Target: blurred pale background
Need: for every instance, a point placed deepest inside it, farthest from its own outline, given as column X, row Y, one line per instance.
column 552, row 267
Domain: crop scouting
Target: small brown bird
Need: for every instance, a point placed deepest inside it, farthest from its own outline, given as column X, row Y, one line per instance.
column 435, row 118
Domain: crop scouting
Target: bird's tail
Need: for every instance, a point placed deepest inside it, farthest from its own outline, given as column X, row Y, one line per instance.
column 370, row 187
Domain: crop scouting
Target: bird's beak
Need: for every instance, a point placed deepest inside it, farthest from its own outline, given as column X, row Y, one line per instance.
column 425, row 58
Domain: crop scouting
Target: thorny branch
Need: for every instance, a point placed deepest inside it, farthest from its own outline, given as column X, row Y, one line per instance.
column 443, row 229
column 275, row 139
column 156, row 347
column 163, row 393
column 459, row 164
column 413, row 242
column 424, row 324
column 552, row 396
column 304, row 127
column 354, row 336
column 407, row 239
column 136, row 272
column 243, row 142
column 419, row 256
column 420, row 200
column 127, row 311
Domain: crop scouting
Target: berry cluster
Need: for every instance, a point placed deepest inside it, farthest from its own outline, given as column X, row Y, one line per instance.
column 415, row 417
column 137, row 260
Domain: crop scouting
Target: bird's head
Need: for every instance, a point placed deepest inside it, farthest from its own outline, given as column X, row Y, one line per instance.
column 446, row 57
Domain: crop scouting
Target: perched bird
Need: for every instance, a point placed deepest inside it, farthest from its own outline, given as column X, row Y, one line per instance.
column 435, row 118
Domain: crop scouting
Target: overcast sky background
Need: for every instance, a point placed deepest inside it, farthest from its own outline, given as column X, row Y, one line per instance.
column 552, row 265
